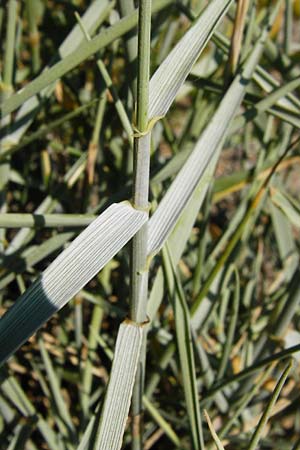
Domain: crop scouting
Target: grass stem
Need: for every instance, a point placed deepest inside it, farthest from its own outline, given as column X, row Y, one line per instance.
column 139, row 272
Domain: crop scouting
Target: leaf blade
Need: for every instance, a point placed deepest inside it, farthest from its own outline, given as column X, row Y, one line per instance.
column 166, row 82
column 165, row 217
column 119, row 391
column 90, row 251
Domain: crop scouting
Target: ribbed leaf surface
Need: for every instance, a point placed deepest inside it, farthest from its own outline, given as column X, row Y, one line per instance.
column 119, row 391
column 70, row 271
column 165, row 217
column 171, row 74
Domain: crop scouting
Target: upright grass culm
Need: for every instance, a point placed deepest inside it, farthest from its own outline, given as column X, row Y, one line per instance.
column 141, row 172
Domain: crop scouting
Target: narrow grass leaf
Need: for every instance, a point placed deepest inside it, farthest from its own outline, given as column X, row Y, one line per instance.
column 60, row 405
column 186, row 353
column 279, row 324
column 289, row 207
column 285, row 241
column 250, row 216
column 279, row 94
column 171, row 74
column 165, row 426
column 246, row 399
column 278, row 356
column 232, row 324
column 87, row 435
column 87, row 375
column 118, row 395
column 14, row 392
column 213, row 432
column 208, row 373
column 111, row 88
column 73, row 268
column 289, row 118
column 12, row 220
column 21, row 436
column 25, row 234
column 268, row 83
column 265, row 417
column 268, row 103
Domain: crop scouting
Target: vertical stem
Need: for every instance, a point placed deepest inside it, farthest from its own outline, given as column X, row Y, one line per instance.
column 144, row 27
column 141, row 164
column 5, row 91
column 10, row 44
column 288, row 26
column 139, row 271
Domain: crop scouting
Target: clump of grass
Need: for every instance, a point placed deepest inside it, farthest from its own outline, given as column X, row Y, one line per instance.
column 200, row 311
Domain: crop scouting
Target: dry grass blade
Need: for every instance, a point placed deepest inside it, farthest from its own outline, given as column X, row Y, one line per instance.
column 236, row 41
column 213, row 432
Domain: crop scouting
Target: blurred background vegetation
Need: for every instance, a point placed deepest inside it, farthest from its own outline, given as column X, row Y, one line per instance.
column 76, row 157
